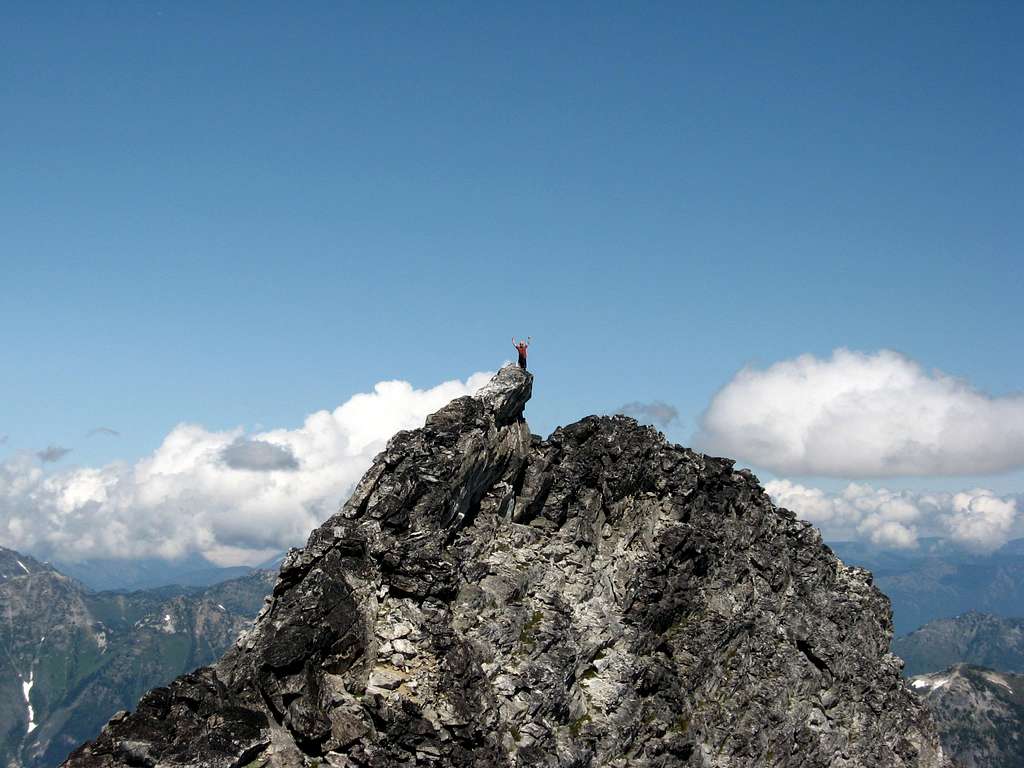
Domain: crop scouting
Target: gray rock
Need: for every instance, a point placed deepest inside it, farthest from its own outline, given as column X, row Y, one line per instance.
column 598, row 598
column 386, row 679
column 404, row 647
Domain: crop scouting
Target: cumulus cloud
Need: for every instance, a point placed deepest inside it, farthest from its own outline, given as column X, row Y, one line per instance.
column 52, row 453
column 863, row 415
column 976, row 519
column 233, row 497
column 103, row 431
column 258, row 456
column 655, row 412
column 981, row 519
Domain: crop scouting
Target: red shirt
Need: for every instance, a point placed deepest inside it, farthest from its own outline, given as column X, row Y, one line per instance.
column 521, row 346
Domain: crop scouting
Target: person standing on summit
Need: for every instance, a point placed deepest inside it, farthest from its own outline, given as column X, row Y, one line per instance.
column 521, row 346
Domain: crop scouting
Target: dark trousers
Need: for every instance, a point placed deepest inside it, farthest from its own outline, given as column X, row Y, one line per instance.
column 522, row 361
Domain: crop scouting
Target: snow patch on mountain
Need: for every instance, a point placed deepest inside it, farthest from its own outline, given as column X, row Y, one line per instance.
column 932, row 683
column 26, row 690
column 998, row 679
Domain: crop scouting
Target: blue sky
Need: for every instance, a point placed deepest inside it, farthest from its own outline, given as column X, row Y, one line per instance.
column 236, row 214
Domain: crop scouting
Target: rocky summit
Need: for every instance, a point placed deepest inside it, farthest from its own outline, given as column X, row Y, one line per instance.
column 599, row 598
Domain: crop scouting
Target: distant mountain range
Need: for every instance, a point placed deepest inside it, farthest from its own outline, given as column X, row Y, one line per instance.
column 193, row 570
column 967, row 670
column 973, row 638
column 72, row 657
column 938, row 579
column 979, row 712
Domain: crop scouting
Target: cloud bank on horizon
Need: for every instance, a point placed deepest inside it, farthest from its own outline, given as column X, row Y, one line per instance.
column 976, row 519
column 238, row 498
column 859, row 415
column 234, row 498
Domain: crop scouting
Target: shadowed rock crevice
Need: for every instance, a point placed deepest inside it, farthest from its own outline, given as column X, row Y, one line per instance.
column 598, row 598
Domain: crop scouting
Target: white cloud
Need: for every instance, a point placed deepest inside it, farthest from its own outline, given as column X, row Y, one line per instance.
column 657, row 412
column 981, row 519
column 887, row 533
column 976, row 519
column 863, row 415
column 233, row 497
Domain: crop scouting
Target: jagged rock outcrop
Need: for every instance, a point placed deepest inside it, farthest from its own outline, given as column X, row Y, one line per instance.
column 599, row 598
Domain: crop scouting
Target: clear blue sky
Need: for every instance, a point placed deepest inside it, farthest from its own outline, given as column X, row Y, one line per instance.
column 239, row 213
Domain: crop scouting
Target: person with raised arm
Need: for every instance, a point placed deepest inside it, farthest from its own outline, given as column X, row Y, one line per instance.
column 521, row 346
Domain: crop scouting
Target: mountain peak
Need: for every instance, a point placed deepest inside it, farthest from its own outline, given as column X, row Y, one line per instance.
column 507, row 393
column 978, row 710
column 14, row 564
column 598, row 598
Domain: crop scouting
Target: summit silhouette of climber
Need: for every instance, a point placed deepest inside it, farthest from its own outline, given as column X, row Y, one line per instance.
column 521, row 346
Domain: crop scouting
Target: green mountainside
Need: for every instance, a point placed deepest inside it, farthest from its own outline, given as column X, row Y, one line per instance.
column 71, row 658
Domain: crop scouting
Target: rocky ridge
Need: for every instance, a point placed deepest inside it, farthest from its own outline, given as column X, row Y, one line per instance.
column 598, row 598
column 14, row 565
column 979, row 713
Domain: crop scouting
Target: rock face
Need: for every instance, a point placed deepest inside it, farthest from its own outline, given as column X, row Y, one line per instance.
column 979, row 712
column 599, row 598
